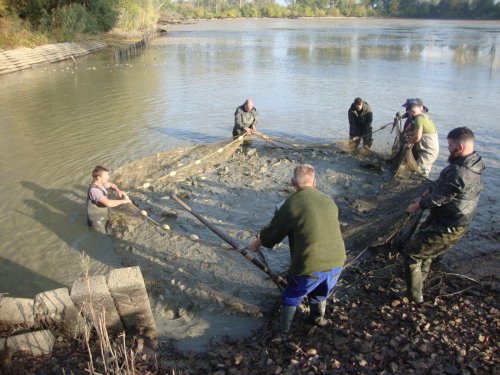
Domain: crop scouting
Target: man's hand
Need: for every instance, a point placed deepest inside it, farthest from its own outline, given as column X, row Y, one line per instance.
column 248, row 130
column 121, row 193
column 255, row 244
column 414, row 207
column 125, row 198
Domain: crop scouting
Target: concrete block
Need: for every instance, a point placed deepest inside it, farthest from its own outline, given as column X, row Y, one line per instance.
column 33, row 343
column 17, row 311
column 127, row 287
column 55, row 308
column 91, row 296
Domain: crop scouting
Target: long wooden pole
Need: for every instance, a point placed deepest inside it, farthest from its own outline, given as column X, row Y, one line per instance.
column 278, row 280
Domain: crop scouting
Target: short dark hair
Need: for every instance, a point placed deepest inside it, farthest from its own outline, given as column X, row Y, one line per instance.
column 358, row 101
column 98, row 171
column 462, row 134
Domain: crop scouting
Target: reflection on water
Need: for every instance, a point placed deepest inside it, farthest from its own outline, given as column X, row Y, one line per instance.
column 58, row 122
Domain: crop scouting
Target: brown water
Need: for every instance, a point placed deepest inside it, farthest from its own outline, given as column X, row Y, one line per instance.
column 57, row 121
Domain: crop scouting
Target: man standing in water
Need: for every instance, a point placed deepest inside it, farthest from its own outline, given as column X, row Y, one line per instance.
column 421, row 132
column 360, row 124
column 452, row 199
column 246, row 119
column 98, row 203
column 310, row 220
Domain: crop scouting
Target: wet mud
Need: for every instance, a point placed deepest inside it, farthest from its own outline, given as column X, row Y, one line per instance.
column 200, row 287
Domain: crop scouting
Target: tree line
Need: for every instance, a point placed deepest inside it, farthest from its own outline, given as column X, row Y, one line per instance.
column 67, row 18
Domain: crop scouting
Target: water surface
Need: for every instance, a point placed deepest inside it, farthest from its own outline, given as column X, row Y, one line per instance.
column 59, row 121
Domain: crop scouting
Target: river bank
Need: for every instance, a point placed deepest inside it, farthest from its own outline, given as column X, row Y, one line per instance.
column 123, row 43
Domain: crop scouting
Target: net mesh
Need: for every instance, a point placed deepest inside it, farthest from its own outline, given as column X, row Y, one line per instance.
column 367, row 221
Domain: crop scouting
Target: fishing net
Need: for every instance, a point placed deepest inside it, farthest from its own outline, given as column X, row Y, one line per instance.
column 235, row 185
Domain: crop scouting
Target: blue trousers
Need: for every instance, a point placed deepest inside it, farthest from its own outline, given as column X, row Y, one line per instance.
column 318, row 286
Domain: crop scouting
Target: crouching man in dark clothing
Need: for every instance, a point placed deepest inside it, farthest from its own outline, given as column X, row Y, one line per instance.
column 452, row 199
column 310, row 220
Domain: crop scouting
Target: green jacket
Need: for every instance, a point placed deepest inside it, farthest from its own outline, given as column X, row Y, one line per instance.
column 310, row 220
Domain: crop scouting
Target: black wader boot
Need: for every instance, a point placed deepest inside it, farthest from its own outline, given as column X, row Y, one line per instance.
column 287, row 313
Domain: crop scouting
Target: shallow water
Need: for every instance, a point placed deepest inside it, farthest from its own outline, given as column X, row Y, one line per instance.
column 58, row 121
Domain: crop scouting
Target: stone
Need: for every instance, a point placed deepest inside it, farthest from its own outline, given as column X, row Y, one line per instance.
column 91, row 296
column 17, row 311
column 55, row 309
column 128, row 289
column 32, row 343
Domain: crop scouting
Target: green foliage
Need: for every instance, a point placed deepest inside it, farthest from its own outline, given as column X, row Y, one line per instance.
column 31, row 10
column 133, row 16
column 70, row 20
column 67, row 18
column 233, row 13
column 105, row 12
column 3, row 8
column 250, row 10
column 274, row 11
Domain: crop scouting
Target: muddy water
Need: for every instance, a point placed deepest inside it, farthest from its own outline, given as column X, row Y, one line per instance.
column 58, row 121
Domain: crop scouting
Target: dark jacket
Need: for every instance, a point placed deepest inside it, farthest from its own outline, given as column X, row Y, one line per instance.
column 310, row 220
column 360, row 122
column 455, row 194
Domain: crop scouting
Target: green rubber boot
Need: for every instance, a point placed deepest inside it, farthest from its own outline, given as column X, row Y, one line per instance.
column 317, row 314
column 287, row 313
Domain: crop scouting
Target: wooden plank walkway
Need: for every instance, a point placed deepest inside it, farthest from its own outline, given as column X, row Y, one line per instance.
column 25, row 58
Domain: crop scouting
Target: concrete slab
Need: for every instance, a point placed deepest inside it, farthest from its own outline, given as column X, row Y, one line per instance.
column 17, row 311
column 91, row 296
column 55, row 308
column 34, row 343
column 127, row 287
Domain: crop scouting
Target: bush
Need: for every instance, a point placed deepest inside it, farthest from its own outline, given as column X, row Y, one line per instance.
column 134, row 17
column 250, row 10
column 3, row 8
column 70, row 20
column 104, row 11
column 233, row 13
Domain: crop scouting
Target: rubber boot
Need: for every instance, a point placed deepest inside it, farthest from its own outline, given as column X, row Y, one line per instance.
column 287, row 313
column 414, row 281
column 317, row 314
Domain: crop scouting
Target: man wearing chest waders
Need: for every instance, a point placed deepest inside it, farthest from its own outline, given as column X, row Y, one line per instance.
column 452, row 200
column 98, row 203
column 310, row 220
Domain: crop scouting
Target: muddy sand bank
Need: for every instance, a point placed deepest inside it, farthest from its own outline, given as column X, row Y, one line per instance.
column 216, row 312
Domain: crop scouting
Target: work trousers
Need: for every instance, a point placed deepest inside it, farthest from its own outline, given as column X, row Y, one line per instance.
column 427, row 244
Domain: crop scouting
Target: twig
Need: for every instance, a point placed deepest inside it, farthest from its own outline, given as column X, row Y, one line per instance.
column 460, row 291
column 462, row 276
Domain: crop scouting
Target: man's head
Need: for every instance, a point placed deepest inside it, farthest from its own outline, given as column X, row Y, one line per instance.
column 303, row 175
column 248, row 105
column 358, row 103
column 460, row 142
column 100, row 173
column 414, row 107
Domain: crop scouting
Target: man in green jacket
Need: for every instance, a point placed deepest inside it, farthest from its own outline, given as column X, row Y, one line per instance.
column 422, row 133
column 310, row 220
